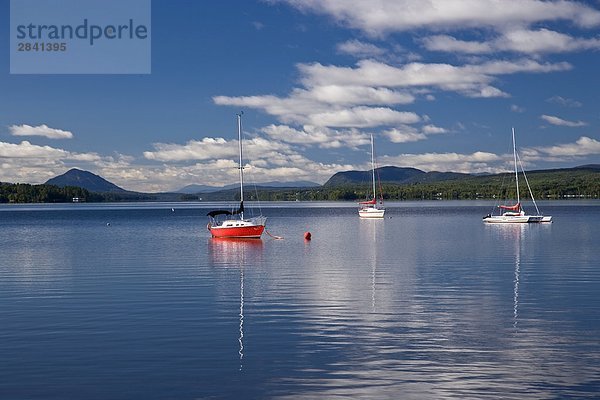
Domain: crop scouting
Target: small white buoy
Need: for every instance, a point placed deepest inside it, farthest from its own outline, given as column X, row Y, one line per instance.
column 108, row 224
column 172, row 209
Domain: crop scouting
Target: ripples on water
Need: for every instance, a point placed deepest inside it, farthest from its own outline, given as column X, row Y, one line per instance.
column 138, row 302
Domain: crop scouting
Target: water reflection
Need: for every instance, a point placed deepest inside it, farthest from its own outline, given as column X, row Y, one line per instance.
column 370, row 228
column 514, row 233
column 241, row 338
column 426, row 304
column 236, row 253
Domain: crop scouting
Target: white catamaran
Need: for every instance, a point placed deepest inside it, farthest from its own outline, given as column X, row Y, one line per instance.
column 369, row 208
column 515, row 214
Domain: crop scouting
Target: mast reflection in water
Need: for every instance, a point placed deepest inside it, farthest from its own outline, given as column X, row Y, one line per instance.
column 236, row 253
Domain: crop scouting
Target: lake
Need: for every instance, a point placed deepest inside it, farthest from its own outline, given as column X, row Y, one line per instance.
column 136, row 301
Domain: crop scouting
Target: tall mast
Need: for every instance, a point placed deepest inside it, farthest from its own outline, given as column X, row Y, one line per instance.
column 515, row 156
column 241, row 166
column 373, row 165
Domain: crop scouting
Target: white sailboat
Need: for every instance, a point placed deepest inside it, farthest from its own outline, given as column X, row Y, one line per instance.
column 237, row 227
column 515, row 214
column 370, row 208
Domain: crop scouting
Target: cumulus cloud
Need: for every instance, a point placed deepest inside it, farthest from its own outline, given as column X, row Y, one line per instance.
column 515, row 40
column 27, row 162
column 27, row 150
column 322, row 137
column 476, row 162
column 543, row 41
column 213, row 148
column 360, row 49
column 204, row 149
column 40, row 130
column 584, row 146
column 380, row 17
column 470, row 78
column 326, row 105
column 361, row 96
column 283, row 167
column 355, row 94
column 363, row 117
column 434, row 130
column 562, row 122
column 404, row 134
column 450, row 44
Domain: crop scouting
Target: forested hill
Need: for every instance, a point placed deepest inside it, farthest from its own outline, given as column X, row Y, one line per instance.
column 397, row 175
column 84, row 179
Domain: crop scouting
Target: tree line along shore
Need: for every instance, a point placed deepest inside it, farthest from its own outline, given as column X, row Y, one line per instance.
column 545, row 185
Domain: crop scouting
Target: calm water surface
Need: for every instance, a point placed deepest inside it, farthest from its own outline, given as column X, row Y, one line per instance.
column 135, row 301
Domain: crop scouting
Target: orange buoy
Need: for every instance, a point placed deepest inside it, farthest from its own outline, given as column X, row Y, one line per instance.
column 307, row 236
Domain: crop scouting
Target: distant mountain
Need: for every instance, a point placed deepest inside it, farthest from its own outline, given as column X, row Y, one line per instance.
column 294, row 184
column 385, row 174
column 193, row 189
column 86, row 180
column 588, row 166
column 397, row 175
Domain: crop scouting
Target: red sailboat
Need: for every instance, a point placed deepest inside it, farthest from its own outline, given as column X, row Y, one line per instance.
column 237, row 226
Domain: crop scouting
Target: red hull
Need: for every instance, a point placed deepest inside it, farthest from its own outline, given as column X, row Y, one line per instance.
column 248, row 232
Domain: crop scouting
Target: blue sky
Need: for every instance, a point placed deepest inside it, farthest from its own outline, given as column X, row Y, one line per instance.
column 439, row 84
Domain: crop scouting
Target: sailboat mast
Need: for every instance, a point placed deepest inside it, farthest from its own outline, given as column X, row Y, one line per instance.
column 373, row 165
column 515, row 157
column 241, row 166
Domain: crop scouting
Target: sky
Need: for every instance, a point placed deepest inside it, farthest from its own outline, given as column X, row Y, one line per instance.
column 438, row 83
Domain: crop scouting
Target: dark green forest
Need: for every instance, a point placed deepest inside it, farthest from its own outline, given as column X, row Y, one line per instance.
column 26, row 193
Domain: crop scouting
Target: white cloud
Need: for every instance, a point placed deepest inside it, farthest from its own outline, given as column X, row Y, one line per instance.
column 404, row 134
column 516, row 108
column 211, row 149
column 562, row 122
column 41, row 130
column 360, row 49
column 220, row 172
column 360, row 96
column 450, row 44
column 314, row 106
column 474, row 78
column 476, row 162
column 27, row 150
column 433, row 130
column 380, row 17
column 564, row 101
column 363, row 117
column 354, row 95
column 322, row 137
column 584, row 146
column 27, row 162
column 543, row 41
column 204, row 149
column 514, row 40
